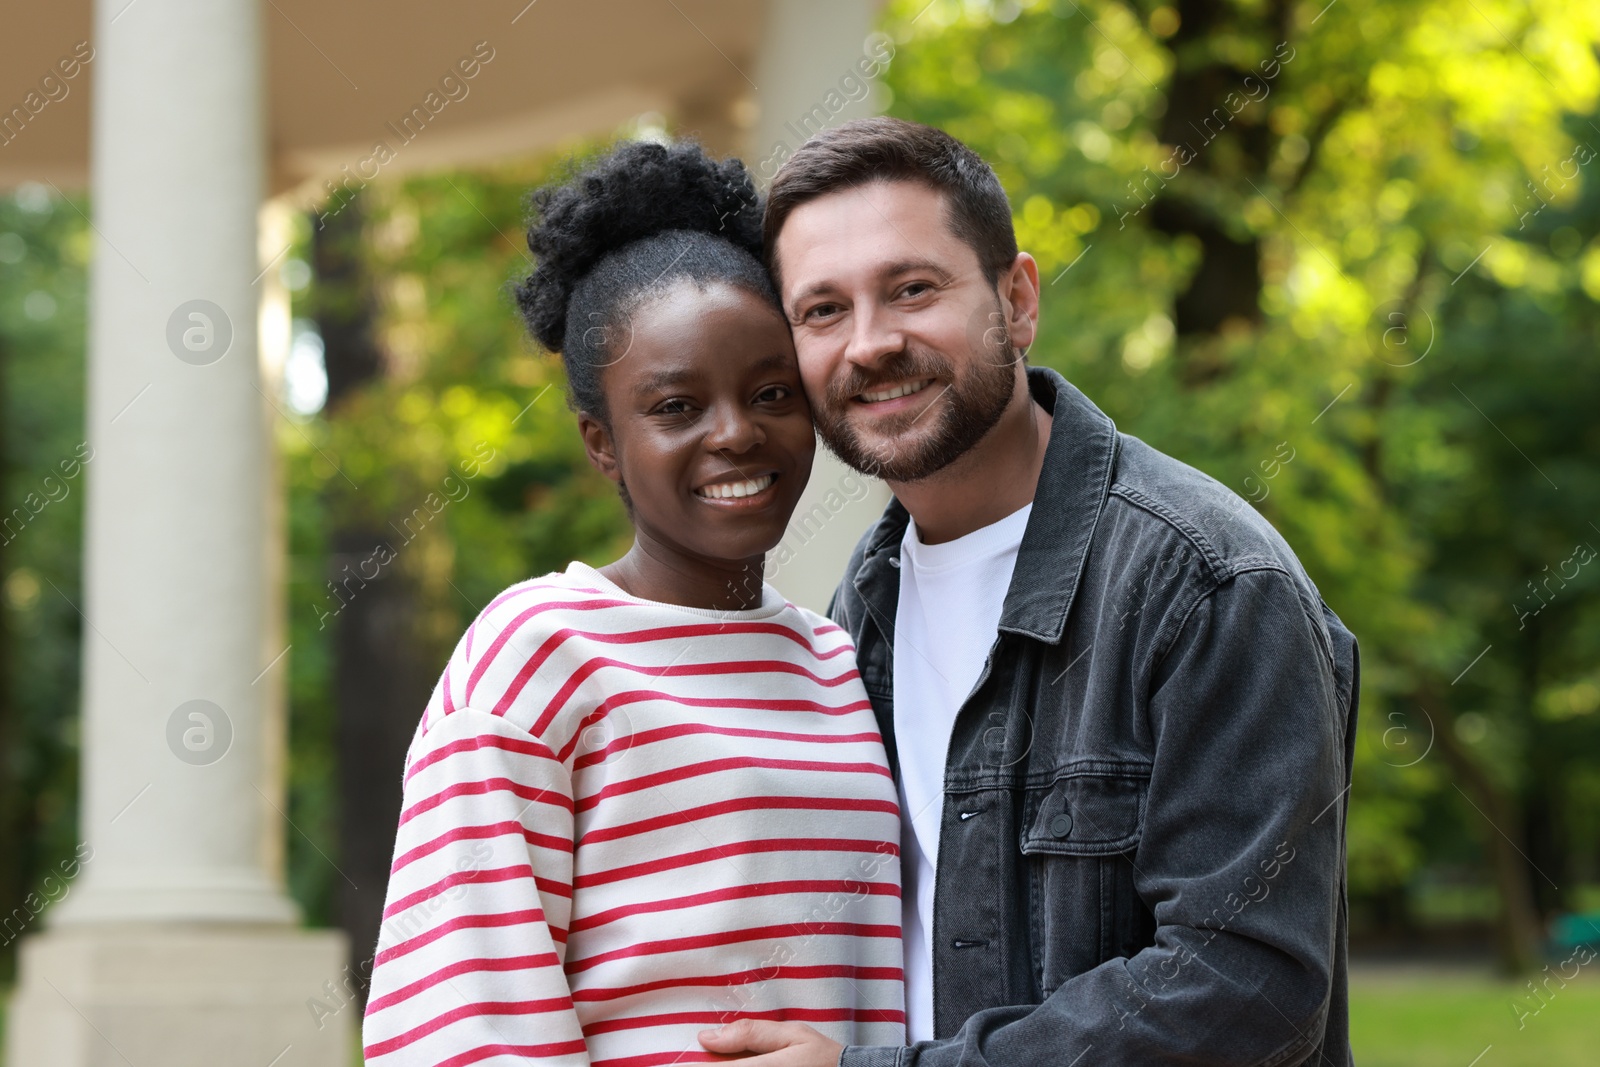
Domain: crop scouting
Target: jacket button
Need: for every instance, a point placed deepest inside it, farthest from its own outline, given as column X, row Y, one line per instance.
column 894, row 561
column 1061, row 825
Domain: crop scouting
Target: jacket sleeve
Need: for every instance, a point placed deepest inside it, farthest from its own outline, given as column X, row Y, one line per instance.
column 1240, row 861
column 844, row 593
column 835, row 610
column 470, row 954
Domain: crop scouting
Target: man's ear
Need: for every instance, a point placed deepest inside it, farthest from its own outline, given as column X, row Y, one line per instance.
column 1018, row 288
column 599, row 444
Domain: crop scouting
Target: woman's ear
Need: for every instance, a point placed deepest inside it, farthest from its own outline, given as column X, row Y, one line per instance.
column 599, row 444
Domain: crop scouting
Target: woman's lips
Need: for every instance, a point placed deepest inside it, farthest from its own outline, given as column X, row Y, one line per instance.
column 745, row 493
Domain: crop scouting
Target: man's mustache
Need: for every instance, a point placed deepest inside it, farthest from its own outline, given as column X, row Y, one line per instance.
column 903, row 366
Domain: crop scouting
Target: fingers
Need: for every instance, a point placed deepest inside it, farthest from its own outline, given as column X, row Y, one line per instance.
column 779, row 1044
column 752, row 1035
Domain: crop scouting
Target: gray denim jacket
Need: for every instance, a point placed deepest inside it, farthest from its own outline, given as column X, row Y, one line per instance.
column 1142, row 853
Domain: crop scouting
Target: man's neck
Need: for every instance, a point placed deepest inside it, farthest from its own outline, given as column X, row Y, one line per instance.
column 996, row 477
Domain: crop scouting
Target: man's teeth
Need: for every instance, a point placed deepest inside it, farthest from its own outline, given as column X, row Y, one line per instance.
column 724, row 490
column 904, row 389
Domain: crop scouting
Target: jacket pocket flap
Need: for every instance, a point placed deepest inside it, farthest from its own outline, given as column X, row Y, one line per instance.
column 1084, row 815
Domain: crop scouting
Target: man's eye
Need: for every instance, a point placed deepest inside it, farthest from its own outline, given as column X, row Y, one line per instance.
column 916, row 289
column 821, row 311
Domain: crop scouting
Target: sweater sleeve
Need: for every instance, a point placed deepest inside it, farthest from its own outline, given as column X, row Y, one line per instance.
column 469, row 962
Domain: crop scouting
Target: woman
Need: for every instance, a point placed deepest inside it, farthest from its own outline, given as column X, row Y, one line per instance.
column 649, row 798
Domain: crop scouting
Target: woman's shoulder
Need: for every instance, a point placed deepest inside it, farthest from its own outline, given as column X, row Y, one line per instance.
column 821, row 632
column 515, row 637
column 811, row 641
column 545, row 602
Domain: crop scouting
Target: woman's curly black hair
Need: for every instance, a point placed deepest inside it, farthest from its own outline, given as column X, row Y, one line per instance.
column 627, row 226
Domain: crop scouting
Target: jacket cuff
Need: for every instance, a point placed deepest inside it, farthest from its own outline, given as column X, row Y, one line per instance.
column 871, row 1056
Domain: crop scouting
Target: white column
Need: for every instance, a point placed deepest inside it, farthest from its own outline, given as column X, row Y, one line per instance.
column 176, row 539
column 810, row 75
column 177, row 943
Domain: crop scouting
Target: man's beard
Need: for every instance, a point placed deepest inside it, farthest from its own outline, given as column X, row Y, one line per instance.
column 967, row 410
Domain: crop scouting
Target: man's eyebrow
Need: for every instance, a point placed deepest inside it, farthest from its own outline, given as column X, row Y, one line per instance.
column 891, row 270
column 918, row 266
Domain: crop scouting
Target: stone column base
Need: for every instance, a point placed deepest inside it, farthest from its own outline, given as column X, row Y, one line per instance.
column 180, row 996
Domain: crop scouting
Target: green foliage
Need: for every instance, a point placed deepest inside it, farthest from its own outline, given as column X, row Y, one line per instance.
column 44, row 249
column 463, row 383
column 1416, row 377
column 462, row 454
column 1408, row 391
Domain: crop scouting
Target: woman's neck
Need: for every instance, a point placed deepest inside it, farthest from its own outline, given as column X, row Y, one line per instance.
column 652, row 571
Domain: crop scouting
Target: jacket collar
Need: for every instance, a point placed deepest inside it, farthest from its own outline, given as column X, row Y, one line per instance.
column 1072, row 490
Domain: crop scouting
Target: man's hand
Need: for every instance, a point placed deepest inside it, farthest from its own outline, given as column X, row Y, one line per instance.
column 779, row 1044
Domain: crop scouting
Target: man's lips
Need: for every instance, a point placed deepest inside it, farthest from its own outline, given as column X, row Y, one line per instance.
column 908, row 397
column 894, row 391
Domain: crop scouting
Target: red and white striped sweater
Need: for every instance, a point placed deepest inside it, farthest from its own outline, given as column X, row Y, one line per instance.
column 625, row 821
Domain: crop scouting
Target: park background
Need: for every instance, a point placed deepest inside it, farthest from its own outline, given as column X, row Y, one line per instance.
column 1342, row 258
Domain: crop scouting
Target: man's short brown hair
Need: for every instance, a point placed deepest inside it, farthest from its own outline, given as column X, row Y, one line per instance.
column 888, row 149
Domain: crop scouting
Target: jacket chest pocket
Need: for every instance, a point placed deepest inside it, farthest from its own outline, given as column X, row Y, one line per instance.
column 1078, row 835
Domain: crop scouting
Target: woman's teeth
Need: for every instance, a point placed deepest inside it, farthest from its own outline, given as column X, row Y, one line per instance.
column 724, row 490
column 903, row 389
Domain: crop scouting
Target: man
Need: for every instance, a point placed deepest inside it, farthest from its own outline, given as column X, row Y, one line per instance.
column 1120, row 715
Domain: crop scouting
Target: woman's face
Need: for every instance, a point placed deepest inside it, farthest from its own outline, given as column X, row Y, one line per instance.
column 710, row 432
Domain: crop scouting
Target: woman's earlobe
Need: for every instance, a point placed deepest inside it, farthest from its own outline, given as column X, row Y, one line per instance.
column 599, row 446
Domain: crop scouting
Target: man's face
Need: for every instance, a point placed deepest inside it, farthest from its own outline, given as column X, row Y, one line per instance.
column 906, row 351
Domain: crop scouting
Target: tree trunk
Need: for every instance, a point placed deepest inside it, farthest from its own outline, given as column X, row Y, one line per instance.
column 380, row 688
column 1224, row 145
column 14, row 828
column 379, row 684
column 1518, row 931
column 1544, row 813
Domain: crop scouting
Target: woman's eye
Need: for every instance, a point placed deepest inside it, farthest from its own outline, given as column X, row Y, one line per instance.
column 773, row 393
column 672, row 407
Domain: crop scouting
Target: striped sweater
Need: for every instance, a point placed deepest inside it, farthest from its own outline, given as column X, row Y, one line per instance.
column 625, row 821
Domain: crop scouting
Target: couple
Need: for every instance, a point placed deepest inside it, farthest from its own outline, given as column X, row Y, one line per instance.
column 1062, row 781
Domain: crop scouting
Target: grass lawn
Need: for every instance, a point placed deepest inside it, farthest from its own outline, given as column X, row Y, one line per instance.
column 1408, row 1018
column 1442, row 1019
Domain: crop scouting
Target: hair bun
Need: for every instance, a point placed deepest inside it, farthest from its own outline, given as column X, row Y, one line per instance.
column 636, row 190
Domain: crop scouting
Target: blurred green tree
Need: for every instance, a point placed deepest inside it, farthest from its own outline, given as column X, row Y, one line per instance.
column 1335, row 255
column 44, row 251
column 443, row 469
column 1342, row 257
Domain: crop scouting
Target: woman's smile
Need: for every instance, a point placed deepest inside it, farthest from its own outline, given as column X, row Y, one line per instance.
column 710, row 437
column 740, row 491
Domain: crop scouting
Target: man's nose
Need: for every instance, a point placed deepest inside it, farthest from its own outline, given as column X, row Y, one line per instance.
column 876, row 335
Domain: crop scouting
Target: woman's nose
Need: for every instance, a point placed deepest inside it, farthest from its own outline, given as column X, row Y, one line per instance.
column 733, row 429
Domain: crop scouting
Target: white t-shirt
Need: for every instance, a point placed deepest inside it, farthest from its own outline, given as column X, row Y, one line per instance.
column 951, row 595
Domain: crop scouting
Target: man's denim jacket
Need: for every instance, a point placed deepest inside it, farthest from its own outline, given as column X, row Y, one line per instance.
column 1141, row 856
